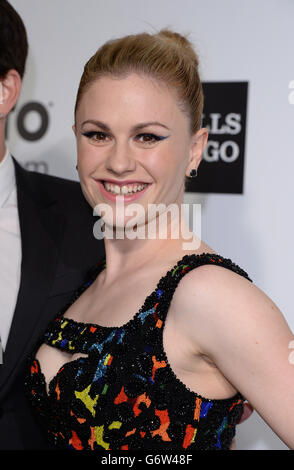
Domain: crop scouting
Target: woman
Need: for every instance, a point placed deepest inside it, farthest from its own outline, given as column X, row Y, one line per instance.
column 174, row 375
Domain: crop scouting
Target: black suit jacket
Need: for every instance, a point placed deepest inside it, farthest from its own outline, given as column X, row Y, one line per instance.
column 58, row 249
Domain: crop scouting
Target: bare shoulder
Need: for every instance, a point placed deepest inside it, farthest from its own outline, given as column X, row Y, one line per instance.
column 215, row 301
column 211, row 282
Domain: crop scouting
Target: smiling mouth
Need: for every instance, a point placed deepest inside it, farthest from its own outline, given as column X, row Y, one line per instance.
column 124, row 190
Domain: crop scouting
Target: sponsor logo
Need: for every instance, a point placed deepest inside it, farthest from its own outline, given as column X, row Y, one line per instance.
column 224, row 116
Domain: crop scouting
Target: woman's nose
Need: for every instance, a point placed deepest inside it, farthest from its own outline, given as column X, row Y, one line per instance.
column 121, row 158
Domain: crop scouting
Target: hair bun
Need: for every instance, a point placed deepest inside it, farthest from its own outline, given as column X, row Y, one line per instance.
column 180, row 41
column 178, row 38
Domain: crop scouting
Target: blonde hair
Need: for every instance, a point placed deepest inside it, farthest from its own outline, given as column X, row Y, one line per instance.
column 166, row 56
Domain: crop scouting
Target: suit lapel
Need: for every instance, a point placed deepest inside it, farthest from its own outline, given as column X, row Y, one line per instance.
column 41, row 228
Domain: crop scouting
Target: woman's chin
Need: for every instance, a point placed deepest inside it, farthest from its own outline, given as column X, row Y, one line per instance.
column 127, row 229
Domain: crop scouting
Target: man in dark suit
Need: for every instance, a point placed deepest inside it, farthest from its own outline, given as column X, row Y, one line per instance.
column 46, row 248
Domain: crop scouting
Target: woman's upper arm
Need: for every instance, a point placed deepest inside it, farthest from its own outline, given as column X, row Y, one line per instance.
column 244, row 333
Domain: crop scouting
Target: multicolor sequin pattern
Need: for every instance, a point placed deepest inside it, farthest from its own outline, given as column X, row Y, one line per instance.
column 122, row 393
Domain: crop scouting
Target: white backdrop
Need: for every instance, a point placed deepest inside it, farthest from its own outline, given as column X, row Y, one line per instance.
column 237, row 41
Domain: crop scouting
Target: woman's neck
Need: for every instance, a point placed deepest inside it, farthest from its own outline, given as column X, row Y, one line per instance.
column 168, row 244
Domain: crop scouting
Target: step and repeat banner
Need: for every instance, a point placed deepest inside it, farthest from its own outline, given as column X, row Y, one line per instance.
column 245, row 179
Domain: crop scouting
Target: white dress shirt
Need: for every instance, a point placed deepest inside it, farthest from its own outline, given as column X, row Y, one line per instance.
column 10, row 246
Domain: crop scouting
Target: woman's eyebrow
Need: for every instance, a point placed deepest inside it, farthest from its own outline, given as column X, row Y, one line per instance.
column 105, row 127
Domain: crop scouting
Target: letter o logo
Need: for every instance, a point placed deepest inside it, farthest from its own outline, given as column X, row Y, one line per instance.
column 41, row 110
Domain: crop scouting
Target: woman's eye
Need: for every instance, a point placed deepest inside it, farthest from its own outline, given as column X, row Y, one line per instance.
column 149, row 138
column 94, row 135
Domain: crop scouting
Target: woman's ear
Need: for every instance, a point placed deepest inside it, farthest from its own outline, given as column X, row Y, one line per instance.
column 198, row 143
column 74, row 129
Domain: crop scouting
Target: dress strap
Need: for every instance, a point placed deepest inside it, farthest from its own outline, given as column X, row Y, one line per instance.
column 168, row 284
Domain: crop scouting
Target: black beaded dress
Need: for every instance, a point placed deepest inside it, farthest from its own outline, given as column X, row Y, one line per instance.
column 124, row 394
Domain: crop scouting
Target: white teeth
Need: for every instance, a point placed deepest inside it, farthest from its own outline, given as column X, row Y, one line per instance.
column 126, row 189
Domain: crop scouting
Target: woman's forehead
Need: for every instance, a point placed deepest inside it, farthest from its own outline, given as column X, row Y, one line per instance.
column 132, row 94
column 132, row 84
